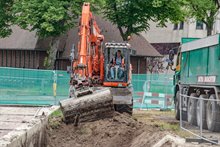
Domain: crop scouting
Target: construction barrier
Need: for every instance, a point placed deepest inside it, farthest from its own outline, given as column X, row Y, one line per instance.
column 48, row 87
column 151, row 100
column 156, row 93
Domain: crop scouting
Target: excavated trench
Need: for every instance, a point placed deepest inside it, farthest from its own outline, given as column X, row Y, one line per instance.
column 121, row 130
column 44, row 127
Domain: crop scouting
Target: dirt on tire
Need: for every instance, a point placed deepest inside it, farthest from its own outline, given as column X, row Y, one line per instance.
column 120, row 131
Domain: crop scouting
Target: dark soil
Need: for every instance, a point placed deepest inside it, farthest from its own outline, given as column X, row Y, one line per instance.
column 120, row 131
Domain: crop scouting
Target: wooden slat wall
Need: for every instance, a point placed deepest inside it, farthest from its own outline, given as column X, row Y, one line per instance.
column 138, row 65
column 22, row 58
column 35, row 60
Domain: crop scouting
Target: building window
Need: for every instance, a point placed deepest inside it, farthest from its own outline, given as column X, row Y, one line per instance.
column 181, row 25
column 175, row 27
column 199, row 25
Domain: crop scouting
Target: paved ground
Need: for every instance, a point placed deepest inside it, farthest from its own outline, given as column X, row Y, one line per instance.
column 16, row 120
column 12, row 118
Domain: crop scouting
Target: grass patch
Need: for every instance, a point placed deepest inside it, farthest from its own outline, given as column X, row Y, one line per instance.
column 57, row 113
column 165, row 120
column 55, row 119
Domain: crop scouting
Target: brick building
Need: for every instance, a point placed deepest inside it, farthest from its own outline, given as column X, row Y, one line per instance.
column 23, row 49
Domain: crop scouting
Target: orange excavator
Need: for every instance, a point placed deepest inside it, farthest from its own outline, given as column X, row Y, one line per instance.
column 100, row 76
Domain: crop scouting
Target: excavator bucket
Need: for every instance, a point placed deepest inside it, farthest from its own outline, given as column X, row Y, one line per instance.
column 90, row 107
column 100, row 104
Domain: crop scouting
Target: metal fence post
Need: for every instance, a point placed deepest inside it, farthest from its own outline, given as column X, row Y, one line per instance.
column 55, row 86
column 148, row 86
column 180, row 107
column 201, row 100
column 165, row 98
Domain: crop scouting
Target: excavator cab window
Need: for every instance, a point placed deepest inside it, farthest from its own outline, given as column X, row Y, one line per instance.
column 116, row 64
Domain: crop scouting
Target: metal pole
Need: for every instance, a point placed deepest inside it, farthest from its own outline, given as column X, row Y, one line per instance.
column 148, row 86
column 55, row 86
column 180, row 107
column 201, row 100
column 166, row 85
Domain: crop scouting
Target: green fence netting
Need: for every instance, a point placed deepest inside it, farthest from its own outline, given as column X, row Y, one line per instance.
column 153, row 91
column 37, row 87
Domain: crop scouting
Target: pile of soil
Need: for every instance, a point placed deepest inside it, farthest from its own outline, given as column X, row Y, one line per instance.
column 120, row 131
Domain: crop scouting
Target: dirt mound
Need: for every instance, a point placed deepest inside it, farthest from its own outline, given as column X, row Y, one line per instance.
column 119, row 131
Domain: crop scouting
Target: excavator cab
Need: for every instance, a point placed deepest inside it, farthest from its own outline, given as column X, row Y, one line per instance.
column 117, row 65
column 117, row 71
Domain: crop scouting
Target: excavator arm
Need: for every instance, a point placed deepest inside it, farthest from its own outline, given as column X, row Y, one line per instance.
column 89, row 65
column 89, row 47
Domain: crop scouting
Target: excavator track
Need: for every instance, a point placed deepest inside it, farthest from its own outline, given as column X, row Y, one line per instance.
column 89, row 107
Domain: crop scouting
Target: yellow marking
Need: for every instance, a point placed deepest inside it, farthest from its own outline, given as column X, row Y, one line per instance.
column 178, row 68
column 54, row 89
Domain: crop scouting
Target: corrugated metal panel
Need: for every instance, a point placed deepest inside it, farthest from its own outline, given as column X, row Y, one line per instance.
column 201, row 43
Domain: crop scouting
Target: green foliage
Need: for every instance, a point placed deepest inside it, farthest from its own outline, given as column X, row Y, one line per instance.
column 46, row 17
column 5, row 17
column 133, row 16
column 49, row 18
column 168, row 10
column 203, row 10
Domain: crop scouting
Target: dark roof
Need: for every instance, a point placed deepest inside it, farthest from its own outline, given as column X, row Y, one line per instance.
column 23, row 39
column 26, row 40
column 19, row 39
column 164, row 48
column 111, row 33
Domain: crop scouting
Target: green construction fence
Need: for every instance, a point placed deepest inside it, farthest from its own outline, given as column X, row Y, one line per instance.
column 20, row 86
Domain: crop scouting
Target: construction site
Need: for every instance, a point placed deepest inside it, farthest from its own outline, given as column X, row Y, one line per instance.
column 97, row 82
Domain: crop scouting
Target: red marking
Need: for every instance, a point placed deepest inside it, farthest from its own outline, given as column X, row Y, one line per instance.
column 154, row 102
column 140, row 93
column 155, row 94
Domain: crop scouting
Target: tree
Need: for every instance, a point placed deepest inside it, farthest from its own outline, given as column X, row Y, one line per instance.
column 205, row 11
column 49, row 18
column 5, row 17
column 133, row 16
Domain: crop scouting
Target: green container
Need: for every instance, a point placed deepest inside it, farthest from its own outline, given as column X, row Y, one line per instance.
column 186, row 40
column 200, row 63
